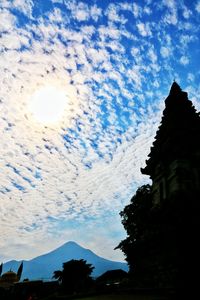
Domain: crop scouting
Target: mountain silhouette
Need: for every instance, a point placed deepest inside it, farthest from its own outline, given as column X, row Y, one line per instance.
column 42, row 267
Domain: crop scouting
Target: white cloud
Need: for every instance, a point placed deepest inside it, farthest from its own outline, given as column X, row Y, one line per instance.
column 7, row 20
column 186, row 39
column 111, row 32
column 165, row 52
column 134, row 51
column 144, row 29
column 197, row 6
column 80, row 10
column 147, row 10
column 184, row 60
column 187, row 13
column 113, row 15
column 136, row 10
column 152, row 55
column 191, row 77
column 14, row 41
column 96, row 12
column 135, row 75
column 24, row 6
column 57, row 1
column 56, row 15
column 171, row 16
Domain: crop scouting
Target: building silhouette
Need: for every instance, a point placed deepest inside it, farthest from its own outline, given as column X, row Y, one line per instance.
column 9, row 278
column 174, row 167
column 174, row 159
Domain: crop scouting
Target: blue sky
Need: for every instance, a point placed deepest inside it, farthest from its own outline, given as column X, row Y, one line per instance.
column 114, row 62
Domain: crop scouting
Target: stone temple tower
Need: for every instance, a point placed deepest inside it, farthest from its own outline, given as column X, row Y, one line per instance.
column 174, row 159
column 174, row 167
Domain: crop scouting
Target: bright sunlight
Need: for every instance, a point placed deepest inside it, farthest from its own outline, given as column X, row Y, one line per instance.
column 48, row 104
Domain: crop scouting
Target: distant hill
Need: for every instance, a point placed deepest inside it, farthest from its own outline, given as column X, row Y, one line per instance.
column 42, row 267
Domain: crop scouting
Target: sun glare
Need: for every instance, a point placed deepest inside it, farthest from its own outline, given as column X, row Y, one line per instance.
column 47, row 104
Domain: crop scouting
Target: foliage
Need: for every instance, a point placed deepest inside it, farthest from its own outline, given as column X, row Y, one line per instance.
column 136, row 218
column 75, row 275
column 156, row 248
column 150, row 247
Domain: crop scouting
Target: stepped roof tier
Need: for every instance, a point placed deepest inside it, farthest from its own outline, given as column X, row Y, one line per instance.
column 178, row 134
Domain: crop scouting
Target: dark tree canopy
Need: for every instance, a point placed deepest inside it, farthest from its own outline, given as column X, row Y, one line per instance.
column 156, row 247
column 75, row 275
column 136, row 214
column 136, row 218
column 141, row 245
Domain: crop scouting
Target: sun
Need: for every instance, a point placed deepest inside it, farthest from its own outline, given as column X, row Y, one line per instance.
column 47, row 105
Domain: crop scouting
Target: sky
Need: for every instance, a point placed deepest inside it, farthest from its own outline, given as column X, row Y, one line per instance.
column 82, row 89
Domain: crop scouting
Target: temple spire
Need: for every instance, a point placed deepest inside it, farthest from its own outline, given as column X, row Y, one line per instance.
column 178, row 134
column 175, row 88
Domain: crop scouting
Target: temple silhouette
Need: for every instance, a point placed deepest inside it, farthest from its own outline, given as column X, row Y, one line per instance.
column 9, row 278
column 173, row 165
column 174, row 159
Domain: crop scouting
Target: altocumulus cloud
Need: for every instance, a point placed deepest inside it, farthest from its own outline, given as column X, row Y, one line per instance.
column 116, row 62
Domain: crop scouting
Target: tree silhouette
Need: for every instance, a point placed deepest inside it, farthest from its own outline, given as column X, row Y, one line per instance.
column 156, row 247
column 137, row 220
column 19, row 272
column 75, row 275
